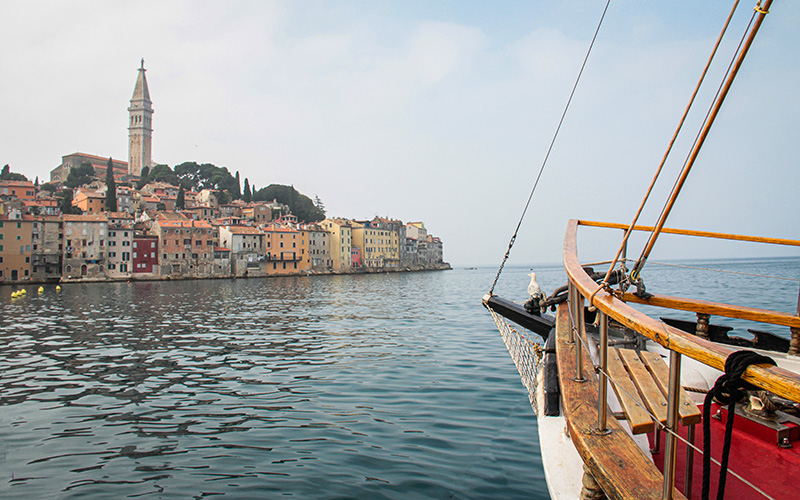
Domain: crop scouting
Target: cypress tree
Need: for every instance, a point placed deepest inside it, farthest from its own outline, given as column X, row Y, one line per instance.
column 238, row 194
column 247, row 196
column 180, row 203
column 111, row 187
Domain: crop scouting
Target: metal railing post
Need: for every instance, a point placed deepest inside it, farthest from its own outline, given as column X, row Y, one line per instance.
column 673, row 403
column 602, row 390
column 580, row 330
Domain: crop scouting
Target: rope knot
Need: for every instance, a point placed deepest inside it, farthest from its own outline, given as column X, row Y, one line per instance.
column 728, row 390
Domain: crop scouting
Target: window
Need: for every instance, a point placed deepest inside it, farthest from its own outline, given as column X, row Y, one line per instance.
column 152, row 255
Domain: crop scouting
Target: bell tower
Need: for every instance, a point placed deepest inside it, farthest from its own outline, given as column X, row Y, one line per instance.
column 140, row 126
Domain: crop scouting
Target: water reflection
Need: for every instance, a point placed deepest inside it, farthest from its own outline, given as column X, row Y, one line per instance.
column 380, row 386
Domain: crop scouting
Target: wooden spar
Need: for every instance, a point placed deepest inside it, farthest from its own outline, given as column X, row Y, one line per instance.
column 701, row 234
column 762, row 12
column 782, row 382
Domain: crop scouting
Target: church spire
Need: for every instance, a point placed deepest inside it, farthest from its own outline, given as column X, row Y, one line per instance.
column 140, row 126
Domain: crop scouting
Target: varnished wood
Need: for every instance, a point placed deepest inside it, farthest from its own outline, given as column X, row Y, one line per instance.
column 688, row 412
column 651, row 394
column 716, row 309
column 632, row 404
column 690, row 232
column 620, row 467
column 777, row 380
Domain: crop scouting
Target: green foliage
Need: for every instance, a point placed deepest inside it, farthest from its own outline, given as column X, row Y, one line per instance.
column 78, row 176
column 7, row 175
column 206, row 176
column 49, row 186
column 238, row 194
column 300, row 205
column 180, row 203
column 162, row 173
column 111, row 187
column 223, row 197
column 247, row 196
column 143, row 177
column 65, row 205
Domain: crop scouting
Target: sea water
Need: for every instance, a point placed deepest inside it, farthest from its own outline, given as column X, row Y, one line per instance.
column 365, row 386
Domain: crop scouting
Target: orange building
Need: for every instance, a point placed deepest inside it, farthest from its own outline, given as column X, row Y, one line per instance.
column 24, row 190
column 287, row 250
column 89, row 201
column 15, row 247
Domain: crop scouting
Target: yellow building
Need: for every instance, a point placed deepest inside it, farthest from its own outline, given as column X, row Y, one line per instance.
column 340, row 243
column 377, row 249
column 15, row 247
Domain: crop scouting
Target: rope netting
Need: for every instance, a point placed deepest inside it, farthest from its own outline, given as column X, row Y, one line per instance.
column 525, row 352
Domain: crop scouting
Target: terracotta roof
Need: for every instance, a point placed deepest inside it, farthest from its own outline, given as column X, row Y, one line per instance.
column 183, row 223
column 244, row 230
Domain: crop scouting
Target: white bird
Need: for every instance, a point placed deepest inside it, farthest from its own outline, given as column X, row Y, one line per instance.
column 534, row 290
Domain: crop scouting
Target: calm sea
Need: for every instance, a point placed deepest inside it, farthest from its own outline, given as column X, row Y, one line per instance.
column 373, row 386
column 370, row 386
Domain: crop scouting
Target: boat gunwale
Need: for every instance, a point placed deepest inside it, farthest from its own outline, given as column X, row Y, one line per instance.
column 777, row 380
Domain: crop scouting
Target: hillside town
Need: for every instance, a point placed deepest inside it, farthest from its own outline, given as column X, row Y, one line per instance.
column 118, row 224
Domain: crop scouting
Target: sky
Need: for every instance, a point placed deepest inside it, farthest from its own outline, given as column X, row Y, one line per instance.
column 433, row 111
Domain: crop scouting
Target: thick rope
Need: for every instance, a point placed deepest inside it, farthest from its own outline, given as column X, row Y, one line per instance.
column 549, row 150
column 729, row 389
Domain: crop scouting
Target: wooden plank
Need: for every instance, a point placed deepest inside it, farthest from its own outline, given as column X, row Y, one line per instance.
column 651, row 394
column 688, row 412
column 628, row 396
column 621, row 468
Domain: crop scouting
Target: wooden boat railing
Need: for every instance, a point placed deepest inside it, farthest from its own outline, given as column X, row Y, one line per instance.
column 610, row 304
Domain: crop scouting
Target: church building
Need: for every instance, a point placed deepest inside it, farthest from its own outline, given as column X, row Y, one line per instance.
column 140, row 140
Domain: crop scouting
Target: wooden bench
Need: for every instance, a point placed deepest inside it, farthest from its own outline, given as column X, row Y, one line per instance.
column 642, row 381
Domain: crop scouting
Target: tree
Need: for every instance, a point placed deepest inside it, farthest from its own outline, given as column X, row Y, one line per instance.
column 180, row 203
column 111, row 187
column 247, row 197
column 223, row 197
column 299, row 204
column 37, row 182
column 143, row 177
column 78, row 176
column 162, row 173
column 238, row 187
column 49, row 186
column 65, row 205
column 7, row 175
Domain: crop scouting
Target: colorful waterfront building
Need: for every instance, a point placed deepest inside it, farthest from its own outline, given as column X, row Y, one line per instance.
column 144, row 258
column 247, row 249
column 15, row 246
column 119, row 261
column 85, row 246
column 47, row 248
column 341, row 243
column 187, row 248
column 287, row 250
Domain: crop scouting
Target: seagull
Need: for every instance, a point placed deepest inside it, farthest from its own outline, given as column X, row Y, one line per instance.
column 534, row 290
column 532, row 305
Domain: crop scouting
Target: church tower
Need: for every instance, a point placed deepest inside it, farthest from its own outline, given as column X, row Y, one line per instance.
column 140, row 126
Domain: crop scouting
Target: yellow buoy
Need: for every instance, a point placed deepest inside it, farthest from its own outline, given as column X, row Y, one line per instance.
column 23, row 291
column 41, row 289
column 58, row 288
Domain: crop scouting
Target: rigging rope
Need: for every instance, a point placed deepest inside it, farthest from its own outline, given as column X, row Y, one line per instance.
column 671, row 142
column 549, row 149
column 736, row 63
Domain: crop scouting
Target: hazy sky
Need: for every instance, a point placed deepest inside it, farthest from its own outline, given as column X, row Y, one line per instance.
column 424, row 110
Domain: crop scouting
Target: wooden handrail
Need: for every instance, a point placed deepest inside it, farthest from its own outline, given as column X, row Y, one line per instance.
column 777, row 380
column 691, row 232
column 716, row 309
